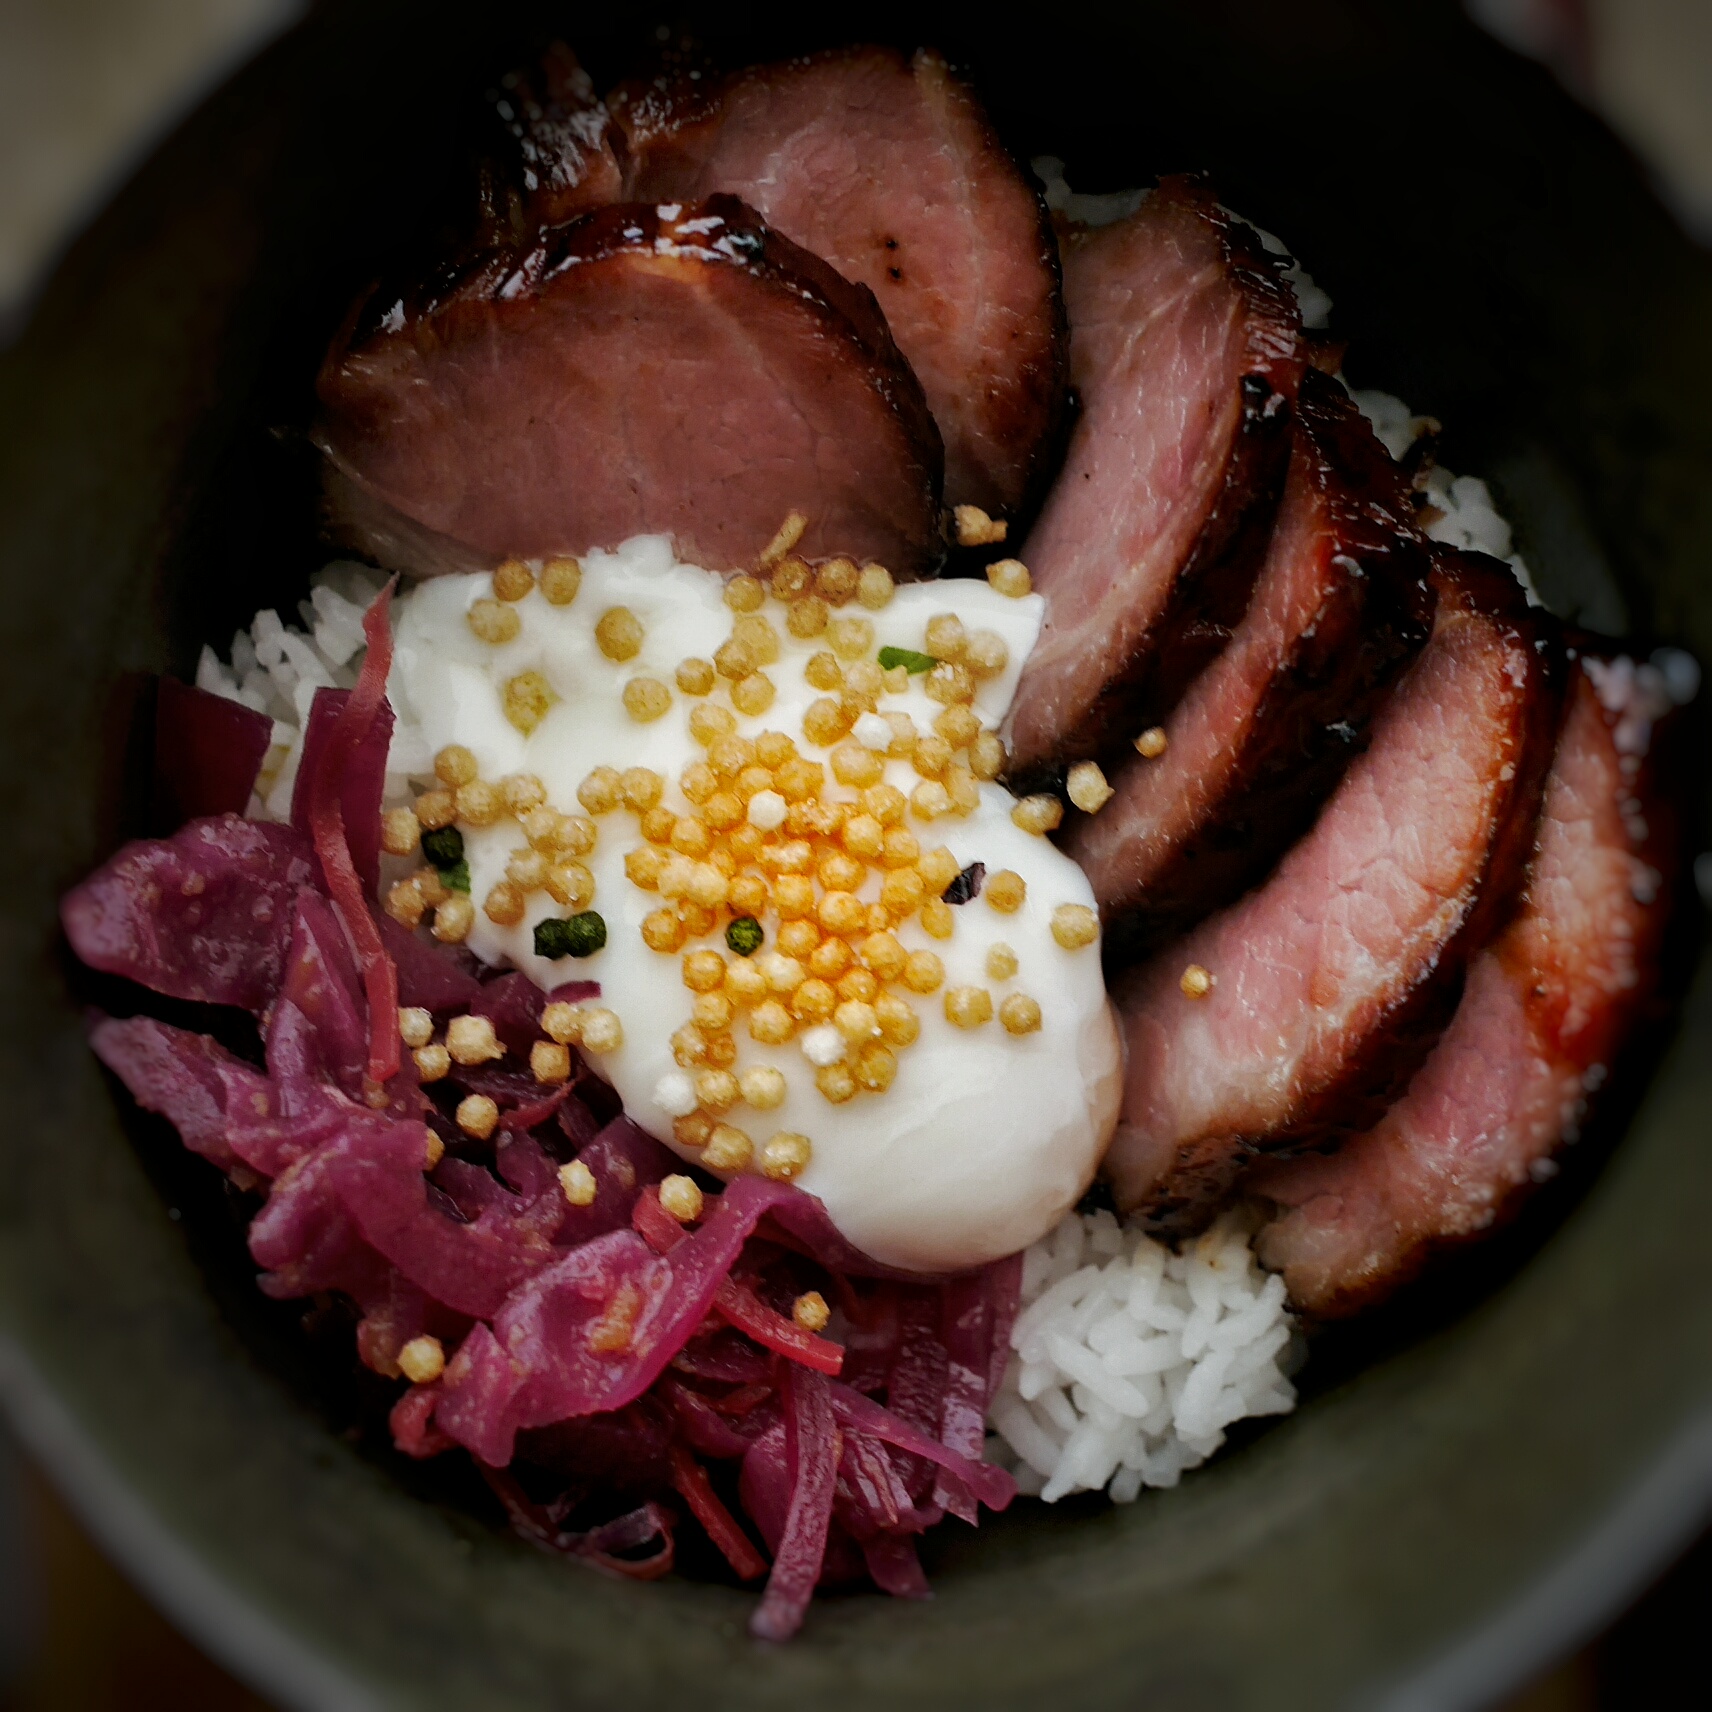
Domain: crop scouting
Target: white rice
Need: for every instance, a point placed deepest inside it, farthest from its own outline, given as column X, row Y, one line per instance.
column 1129, row 1362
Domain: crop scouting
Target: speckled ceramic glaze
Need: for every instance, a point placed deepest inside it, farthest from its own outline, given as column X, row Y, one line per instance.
column 1472, row 1480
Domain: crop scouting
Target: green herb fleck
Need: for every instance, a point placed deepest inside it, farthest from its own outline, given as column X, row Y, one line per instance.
column 908, row 658
column 570, row 936
column 744, row 935
column 444, row 847
column 457, row 877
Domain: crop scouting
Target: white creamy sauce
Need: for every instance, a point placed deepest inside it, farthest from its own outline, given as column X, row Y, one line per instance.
column 984, row 1139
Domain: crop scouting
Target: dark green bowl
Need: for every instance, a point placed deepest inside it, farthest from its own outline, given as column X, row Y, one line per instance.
column 1472, row 1482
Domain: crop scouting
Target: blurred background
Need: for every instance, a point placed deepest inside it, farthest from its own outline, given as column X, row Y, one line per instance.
column 86, row 89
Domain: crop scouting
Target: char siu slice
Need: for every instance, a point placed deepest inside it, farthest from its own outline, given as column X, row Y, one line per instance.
column 1185, row 355
column 1333, row 978
column 1339, row 608
column 889, row 169
column 1545, row 1011
column 554, row 140
column 689, row 372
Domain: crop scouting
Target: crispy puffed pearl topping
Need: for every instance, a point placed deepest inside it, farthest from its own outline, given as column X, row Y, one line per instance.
column 601, row 1031
column 1010, row 577
column 400, row 832
column 562, row 1022
column 968, row 1007
column 513, row 580
column 522, row 792
column 1001, row 963
column 1087, row 787
column 875, row 587
column 478, row 1116
column 945, row 636
column 695, row 677
column 1196, row 982
column 415, row 1025
column 1152, row 743
column 471, row 1040
column 1074, row 926
column 835, row 581
column 494, row 622
column 432, row 1062
column 810, row 1311
column 785, row 1155
column 647, row 699
column 453, row 919
column 422, row 1360
column 435, row 809
column 987, row 756
column 763, row 1087
column 561, row 579
column 527, row 700
column 975, row 528
column 728, row 1149
column 618, row 634
column 601, row 791
column 505, row 904
column 479, row 803
column 455, row 765
column 681, row 1197
column 549, row 1062
column 849, row 637
column 744, row 593
column 709, row 722
column 1005, row 891
column 1020, row 1014
column 1038, row 814
column 577, row 1184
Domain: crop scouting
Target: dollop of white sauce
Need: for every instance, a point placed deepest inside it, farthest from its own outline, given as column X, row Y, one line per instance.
column 984, row 1139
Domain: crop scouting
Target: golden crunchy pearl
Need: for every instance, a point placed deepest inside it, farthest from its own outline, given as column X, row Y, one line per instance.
column 1010, row 577
column 513, row 580
column 549, row 1062
column 1196, row 982
column 400, row 832
column 874, row 587
column 830, row 958
column 938, row 918
column 923, row 972
column 882, row 954
column 453, row 919
column 1152, row 743
column 771, row 1024
column 810, row 1311
column 849, row 637
column 681, row 1197
column 1001, row 963
column 504, row 904
column 875, row 1067
column 728, row 1149
column 577, row 1184
column 694, row 676
column 602, row 1031
column 522, row 793
column 1038, row 814
column 985, row 653
column 949, row 682
column 835, row 581
column 455, row 765
column 897, row 1019
column 732, row 660
column 527, row 700
column 601, row 791
column 987, row 756
column 836, row 1082
column 570, row 883
column 703, row 971
column 744, row 593
column 561, row 579
column 562, row 1022
column 494, row 622
column 1074, row 926
column 693, row 1130
column 479, row 803
column 902, row 892
column 647, row 699
column 855, row 1020
column 968, row 1007
column 945, row 636
column 432, row 1063
column 1005, row 891
column 791, row 577
column 813, row 1001
column 716, row 1091
column 959, row 726
column 929, row 800
column 477, row 1116
column 938, row 869
column 753, row 695
column 758, row 636
column 799, row 938
column 423, row 1359
column 618, row 634
column 662, row 931
column 709, row 722
column 786, row 1155
column 435, row 809
column 1087, row 788
column 763, row 1087
column 1020, row 1014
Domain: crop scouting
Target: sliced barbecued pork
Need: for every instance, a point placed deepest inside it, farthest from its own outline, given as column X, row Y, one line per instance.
column 1184, row 351
column 685, row 371
column 1340, row 607
column 555, row 144
column 889, row 169
column 1546, row 1009
column 1330, row 982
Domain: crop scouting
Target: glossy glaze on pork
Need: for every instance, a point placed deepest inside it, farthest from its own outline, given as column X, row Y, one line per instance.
column 1332, row 980
column 638, row 372
column 1185, row 356
column 889, row 169
column 1339, row 608
column 1547, row 1009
